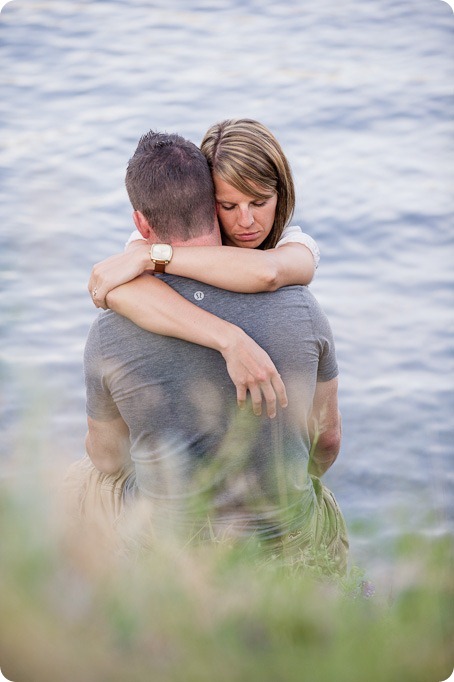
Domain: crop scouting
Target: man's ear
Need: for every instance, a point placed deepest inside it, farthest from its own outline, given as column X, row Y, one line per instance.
column 142, row 225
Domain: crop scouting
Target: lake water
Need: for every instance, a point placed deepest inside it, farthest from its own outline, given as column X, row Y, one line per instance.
column 360, row 94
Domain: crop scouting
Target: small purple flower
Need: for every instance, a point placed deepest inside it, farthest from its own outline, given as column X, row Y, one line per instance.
column 367, row 589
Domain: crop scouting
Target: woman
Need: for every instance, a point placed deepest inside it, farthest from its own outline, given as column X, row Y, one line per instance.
column 255, row 200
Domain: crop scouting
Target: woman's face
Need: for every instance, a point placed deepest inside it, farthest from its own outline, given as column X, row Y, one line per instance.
column 246, row 221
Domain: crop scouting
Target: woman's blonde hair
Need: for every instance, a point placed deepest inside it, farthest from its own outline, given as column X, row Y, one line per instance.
column 246, row 155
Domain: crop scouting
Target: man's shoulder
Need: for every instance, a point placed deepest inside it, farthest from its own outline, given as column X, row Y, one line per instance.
column 107, row 323
column 217, row 300
column 296, row 292
column 295, row 300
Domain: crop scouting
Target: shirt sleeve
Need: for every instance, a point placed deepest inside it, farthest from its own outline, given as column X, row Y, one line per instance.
column 327, row 366
column 293, row 233
column 99, row 402
column 134, row 237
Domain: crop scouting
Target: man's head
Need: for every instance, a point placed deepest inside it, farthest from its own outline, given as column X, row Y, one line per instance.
column 169, row 185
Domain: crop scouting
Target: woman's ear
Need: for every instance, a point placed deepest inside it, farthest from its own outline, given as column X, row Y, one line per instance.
column 141, row 224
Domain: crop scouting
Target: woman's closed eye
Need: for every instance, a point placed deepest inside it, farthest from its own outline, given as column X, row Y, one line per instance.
column 230, row 207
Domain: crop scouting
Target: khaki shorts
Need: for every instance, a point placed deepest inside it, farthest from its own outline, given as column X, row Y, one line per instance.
column 96, row 503
column 93, row 500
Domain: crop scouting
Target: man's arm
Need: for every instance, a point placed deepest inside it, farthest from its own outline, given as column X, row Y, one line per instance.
column 107, row 444
column 325, row 427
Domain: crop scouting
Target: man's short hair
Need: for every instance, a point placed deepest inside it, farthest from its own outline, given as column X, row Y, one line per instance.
column 168, row 180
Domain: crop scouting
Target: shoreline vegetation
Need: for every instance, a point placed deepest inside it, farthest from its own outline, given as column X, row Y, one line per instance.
column 73, row 608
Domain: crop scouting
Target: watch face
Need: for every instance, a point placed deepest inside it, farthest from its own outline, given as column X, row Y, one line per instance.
column 162, row 252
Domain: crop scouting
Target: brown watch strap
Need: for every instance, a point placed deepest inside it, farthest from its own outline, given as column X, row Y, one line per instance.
column 159, row 267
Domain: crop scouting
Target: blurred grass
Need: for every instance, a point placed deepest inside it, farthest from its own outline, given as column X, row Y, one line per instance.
column 72, row 610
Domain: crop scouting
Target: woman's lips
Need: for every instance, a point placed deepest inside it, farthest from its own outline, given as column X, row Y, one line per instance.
column 248, row 236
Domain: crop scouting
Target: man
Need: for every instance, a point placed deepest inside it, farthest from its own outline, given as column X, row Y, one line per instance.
column 163, row 423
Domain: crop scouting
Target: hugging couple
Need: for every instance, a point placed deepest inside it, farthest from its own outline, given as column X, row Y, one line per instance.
column 211, row 375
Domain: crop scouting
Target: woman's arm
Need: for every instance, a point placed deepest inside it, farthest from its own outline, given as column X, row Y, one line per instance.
column 244, row 270
column 227, row 267
column 153, row 305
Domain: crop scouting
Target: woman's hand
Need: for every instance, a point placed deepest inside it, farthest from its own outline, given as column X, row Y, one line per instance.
column 117, row 270
column 251, row 369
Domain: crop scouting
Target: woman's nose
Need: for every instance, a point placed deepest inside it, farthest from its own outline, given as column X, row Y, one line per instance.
column 246, row 218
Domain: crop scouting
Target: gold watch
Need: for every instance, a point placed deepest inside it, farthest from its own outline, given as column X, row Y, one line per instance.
column 161, row 255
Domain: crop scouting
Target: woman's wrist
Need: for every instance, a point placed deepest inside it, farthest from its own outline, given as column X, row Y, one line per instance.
column 141, row 251
column 230, row 339
column 225, row 336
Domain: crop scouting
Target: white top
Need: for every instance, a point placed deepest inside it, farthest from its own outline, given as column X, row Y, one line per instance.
column 291, row 233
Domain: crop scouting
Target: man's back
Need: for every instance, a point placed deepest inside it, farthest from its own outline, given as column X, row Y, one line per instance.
column 187, row 435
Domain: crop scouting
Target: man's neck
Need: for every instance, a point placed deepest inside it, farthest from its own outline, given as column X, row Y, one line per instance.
column 206, row 240
column 212, row 238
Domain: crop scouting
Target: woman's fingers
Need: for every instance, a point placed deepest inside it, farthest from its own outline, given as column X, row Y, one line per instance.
column 256, row 397
column 279, row 388
column 252, row 371
column 272, row 391
column 115, row 271
column 241, row 394
column 96, row 287
column 270, row 399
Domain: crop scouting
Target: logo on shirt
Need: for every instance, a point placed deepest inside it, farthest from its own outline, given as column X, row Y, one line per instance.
column 199, row 295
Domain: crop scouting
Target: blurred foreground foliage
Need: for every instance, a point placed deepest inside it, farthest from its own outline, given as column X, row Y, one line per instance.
column 72, row 610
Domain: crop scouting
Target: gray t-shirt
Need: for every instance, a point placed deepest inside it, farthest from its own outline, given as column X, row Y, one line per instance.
column 187, row 434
